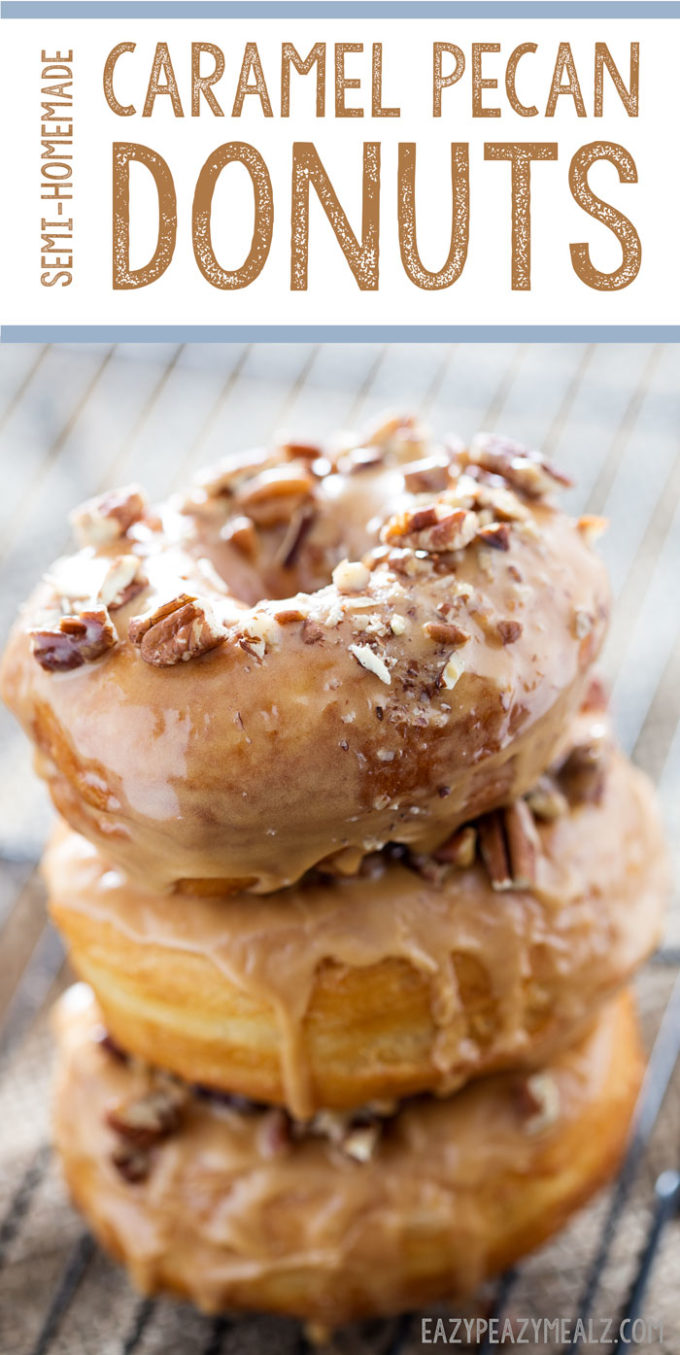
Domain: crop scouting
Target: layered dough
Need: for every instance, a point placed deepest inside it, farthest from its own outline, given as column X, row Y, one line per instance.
column 455, row 1190
column 220, row 701
column 337, row 993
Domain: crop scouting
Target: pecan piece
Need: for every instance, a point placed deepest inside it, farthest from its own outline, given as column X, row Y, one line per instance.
column 493, row 850
column 509, row 631
column 496, row 535
column 74, row 641
column 460, row 849
column 133, row 1164
column 582, row 774
column 446, row 633
column 123, row 580
column 181, row 629
column 437, row 528
column 240, row 532
column 546, row 801
column 267, row 498
column 145, row 1120
column 426, row 476
column 523, row 843
column 527, row 471
column 102, row 520
column 538, row 1100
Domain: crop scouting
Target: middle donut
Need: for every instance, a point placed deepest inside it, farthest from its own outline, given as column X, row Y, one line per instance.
column 416, row 975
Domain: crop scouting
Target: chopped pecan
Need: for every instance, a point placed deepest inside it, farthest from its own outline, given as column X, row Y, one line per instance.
column 123, row 580
column 523, row 843
column 273, row 1135
column 509, row 631
column 221, row 480
column 74, row 640
column 591, row 527
column 493, row 849
column 360, row 458
column 309, row 451
column 538, row 1099
column 178, row 630
column 426, row 476
column 390, row 427
column 312, row 632
column 146, row 1119
column 361, row 1142
column 267, row 497
column 351, row 576
column 289, row 615
column 368, row 659
column 546, row 801
column 133, row 1163
column 582, row 774
column 446, row 633
column 434, row 529
column 496, row 535
column 240, row 532
column 104, row 519
column 527, row 471
column 460, row 849
column 295, row 537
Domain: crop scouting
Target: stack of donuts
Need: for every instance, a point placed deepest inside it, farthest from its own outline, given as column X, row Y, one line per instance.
column 350, row 867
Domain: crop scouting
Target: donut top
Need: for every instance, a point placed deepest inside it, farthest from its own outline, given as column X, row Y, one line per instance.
column 313, row 652
column 536, row 891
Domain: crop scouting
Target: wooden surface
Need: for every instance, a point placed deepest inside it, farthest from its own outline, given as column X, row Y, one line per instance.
column 74, row 419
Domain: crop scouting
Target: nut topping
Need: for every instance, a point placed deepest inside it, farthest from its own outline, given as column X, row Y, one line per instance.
column 546, row 801
column 181, row 629
column 446, row 633
column 267, row 497
column 371, row 661
column 426, row 476
column 147, row 1119
column 527, row 471
column 539, row 1101
column 509, row 845
column 493, row 850
column 102, row 520
column 122, row 582
column 240, row 532
column 582, row 774
column 74, row 641
column 437, row 528
column 509, row 631
column 460, row 849
column 351, row 576
column 496, row 535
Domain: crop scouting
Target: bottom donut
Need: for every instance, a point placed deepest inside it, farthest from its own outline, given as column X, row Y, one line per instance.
column 235, row 1206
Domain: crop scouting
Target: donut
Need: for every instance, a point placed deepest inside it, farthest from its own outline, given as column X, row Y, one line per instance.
column 237, row 1208
column 313, row 653
column 415, row 975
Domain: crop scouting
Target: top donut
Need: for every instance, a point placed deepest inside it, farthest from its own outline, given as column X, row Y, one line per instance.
column 312, row 653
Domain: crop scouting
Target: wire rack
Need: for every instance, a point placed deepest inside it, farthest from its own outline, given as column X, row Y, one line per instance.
column 74, row 419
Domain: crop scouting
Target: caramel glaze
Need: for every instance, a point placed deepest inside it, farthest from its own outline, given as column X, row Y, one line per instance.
column 246, row 766
column 335, row 993
column 456, row 1190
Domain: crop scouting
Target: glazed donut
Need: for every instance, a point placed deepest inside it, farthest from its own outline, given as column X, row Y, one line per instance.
column 413, row 976
column 235, row 1211
column 207, row 725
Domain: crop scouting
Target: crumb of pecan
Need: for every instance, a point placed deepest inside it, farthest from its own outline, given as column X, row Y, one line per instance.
column 460, row 849
column 591, row 527
column 296, row 535
column 132, row 1163
column 426, row 476
column 446, row 633
column 493, row 850
column 74, row 640
column 582, row 775
column 526, row 471
column 509, row 631
column 360, row 458
column 546, row 801
column 123, row 580
column 398, row 624
column 146, row 1119
column 240, row 531
column 267, row 498
column 365, row 656
column 360, row 1143
column 450, row 674
column 434, row 529
column 309, row 451
column 176, row 631
column 496, row 535
column 289, row 615
column 312, row 632
column 102, row 520
column 351, row 576
column 523, row 843
column 538, row 1100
